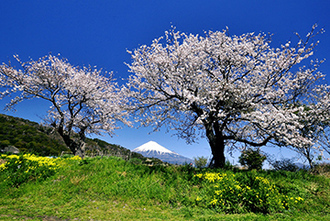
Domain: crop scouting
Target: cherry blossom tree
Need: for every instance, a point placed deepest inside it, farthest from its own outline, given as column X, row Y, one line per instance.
column 315, row 120
column 83, row 100
column 237, row 91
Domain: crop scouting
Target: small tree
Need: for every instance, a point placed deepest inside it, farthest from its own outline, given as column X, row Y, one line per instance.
column 200, row 162
column 234, row 90
column 253, row 159
column 83, row 100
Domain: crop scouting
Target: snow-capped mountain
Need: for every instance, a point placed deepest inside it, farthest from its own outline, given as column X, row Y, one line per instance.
column 153, row 149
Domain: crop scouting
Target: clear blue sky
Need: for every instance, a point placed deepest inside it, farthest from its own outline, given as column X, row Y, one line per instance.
column 99, row 32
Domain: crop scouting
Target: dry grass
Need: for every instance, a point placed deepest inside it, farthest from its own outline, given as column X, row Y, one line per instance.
column 2, row 161
column 322, row 169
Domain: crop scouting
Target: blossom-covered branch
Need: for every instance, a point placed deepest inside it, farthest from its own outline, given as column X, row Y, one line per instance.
column 83, row 100
column 231, row 89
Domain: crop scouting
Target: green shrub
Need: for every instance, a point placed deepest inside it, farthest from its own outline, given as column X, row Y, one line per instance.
column 253, row 159
column 4, row 143
column 18, row 170
column 200, row 162
column 24, row 168
column 241, row 193
column 135, row 161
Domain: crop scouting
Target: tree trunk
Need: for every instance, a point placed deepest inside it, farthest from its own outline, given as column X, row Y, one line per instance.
column 77, row 148
column 310, row 160
column 217, row 144
column 218, row 149
column 80, row 149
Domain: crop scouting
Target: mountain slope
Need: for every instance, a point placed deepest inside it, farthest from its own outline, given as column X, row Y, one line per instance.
column 153, row 150
column 31, row 137
column 153, row 147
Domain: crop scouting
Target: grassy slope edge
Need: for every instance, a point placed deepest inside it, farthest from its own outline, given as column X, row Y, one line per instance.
column 110, row 188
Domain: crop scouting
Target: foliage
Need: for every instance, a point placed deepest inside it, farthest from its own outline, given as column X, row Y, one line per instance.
column 83, row 100
column 241, row 193
column 200, row 162
column 233, row 90
column 24, row 168
column 284, row 164
column 253, row 159
column 29, row 137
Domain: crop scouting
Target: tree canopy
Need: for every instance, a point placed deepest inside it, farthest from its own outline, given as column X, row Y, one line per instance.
column 235, row 90
column 83, row 100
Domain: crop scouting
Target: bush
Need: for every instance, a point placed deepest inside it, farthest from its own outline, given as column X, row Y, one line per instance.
column 253, row 159
column 135, row 161
column 4, row 143
column 241, row 193
column 17, row 170
column 200, row 162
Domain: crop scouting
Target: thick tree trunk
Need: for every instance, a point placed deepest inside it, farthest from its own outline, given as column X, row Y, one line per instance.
column 80, row 149
column 215, row 138
column 217, row 144
column 76, row 147
column 218, row 149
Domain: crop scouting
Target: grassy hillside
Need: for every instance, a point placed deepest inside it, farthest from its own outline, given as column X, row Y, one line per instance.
column 31, row 137
column 118, row 185
column 110, row 188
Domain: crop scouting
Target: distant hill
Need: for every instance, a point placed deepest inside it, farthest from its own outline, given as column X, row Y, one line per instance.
column 31, row 137
column 153, row 149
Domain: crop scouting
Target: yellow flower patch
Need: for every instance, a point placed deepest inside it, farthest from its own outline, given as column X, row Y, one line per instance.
column 242, row 193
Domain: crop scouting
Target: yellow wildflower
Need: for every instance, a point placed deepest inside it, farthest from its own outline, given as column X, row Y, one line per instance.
column 218, row 192
column 213, row 202
column 237, row 187
column 75, row 158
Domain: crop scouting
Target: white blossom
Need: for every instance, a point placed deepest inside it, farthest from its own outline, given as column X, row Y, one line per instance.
column 82, row 99
column 239, row 86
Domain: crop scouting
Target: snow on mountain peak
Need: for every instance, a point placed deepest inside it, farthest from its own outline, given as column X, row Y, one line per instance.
column 152, row 149
column 152, row 146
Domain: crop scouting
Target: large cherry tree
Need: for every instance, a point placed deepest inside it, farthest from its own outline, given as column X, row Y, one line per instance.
column 83, row 100
column 236, row 91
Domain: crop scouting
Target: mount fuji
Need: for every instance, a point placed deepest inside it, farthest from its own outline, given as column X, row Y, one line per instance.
column 153, row 149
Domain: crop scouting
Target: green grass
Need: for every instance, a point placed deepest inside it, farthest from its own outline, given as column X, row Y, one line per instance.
column 110, row 188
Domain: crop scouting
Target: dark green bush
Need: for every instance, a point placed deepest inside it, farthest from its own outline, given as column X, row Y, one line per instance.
column 253, row 159
column 135, row 161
